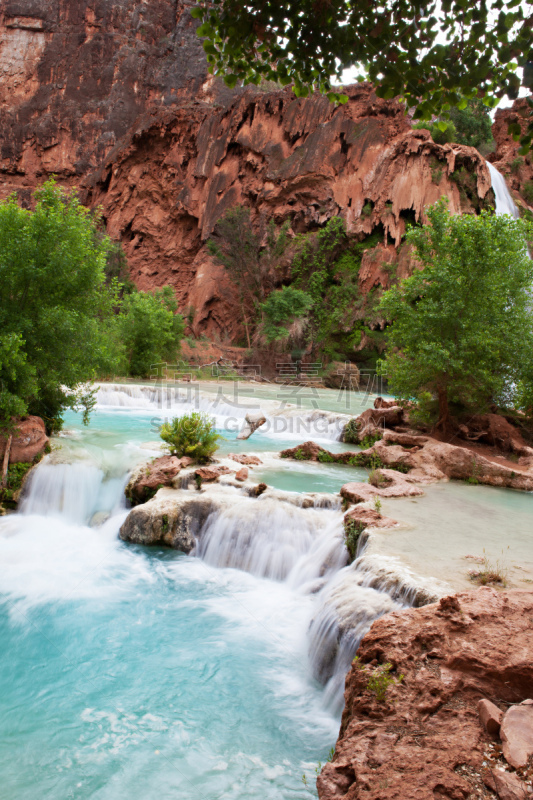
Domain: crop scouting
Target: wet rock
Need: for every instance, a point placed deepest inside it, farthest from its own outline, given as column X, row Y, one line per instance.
column 98, row 519
column 490, row 716
column 245, row 459
column 29, row 440
column 252, row 423
column 171, row 518
column 517, row 734
column 422, row 740
column 255, row 491
column 369, row 517
column 389, row 484
column 308, row 451
column 241, row 474
column 148, row 478
column 211, row 473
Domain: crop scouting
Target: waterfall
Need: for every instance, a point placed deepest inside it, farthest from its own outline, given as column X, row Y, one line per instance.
column 504, row 202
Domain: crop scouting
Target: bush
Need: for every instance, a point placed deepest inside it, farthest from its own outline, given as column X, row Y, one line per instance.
column 150, row 329
column 352, row 532
column 192, row 435
column 380, row 680
column 282, row 309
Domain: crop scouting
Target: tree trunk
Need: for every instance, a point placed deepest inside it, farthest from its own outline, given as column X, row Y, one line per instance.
column 5, row 465
column 246, row 326
column 444, row 423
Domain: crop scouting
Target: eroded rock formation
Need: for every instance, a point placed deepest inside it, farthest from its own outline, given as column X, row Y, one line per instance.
column 423, row 738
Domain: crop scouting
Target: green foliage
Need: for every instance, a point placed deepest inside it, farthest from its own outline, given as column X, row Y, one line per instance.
column 150, row 329
column 380, row 680
column 367, row 209
column 377, row 504
column 326, row 266
column 237, row 245
column 299, row 455
column 192, row 435
column 515, row 165
column 527, row 192
column 352, row 531
column 439, row 136
column 473, row 125
column 433, row 63
column 351, row 431
column 281, row 309
column 370, row 439
column 55, row 309
column 325, row 458
column 14, row 478
column 462, row 326
column 116, row 267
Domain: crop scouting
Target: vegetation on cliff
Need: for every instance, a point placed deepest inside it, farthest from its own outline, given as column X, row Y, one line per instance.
column 462, row 327
column 61, row 324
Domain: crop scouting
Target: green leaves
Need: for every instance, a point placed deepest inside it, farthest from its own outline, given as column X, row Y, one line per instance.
column 403, row 47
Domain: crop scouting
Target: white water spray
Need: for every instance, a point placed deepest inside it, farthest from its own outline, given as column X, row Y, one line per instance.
column 504, row 202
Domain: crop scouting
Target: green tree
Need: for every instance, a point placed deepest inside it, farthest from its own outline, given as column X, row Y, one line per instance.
column 473, row 125
column 461, row 328
column 55, row 309
column 150, row 329
column 250, row 264
column 282, row 309
column 434, row 55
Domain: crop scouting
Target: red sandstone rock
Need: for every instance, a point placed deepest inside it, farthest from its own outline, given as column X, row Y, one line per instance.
column 490, row 716
column 394, row 484
column 245, row 459
column 426, row 741
column 28, row 441
column 369, row 518
column 149, row 477
column 212, row 473
column 242, row 474
column 496, row 430
column 507, row 785
column 517, row 734
column 380, row 402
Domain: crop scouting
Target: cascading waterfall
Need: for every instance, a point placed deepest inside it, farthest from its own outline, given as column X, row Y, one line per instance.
column 504, row 202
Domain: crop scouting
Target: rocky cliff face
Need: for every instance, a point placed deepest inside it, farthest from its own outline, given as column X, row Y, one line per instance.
column 303, row 160
column 518, row 170
column 114, row 99
column 77, row 74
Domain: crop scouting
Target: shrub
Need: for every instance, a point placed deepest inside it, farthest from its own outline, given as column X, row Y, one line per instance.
column 325, row 458
column 370, row 439
column 282, row 309
column 352, row 531
column 527, row 192
column 192, row 435
column 380, row 680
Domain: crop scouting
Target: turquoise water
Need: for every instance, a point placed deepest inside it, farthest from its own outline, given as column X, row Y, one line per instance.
column 132, row 672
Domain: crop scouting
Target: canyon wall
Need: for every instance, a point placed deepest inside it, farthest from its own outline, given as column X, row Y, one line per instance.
column 115, row 100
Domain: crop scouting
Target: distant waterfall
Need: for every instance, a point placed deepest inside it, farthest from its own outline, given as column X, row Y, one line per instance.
column 504, row 202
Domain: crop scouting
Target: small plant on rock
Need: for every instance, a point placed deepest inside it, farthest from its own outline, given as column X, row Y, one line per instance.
column 380, row 680
column 352, row 531
column 370, row 439
column 377, row 504
column 489, row 572
column 192, row 435
column 299, row 455
column 325, row 458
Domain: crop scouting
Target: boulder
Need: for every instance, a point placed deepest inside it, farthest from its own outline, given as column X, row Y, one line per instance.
column 242, row 474
column 342, row 375
column 211, row 473
column 308, row 451
column 495, row 430
column 148, row 478
column 372, row 421
column 247, row 460
column 490, row 716
column 252, row 423
column 369, row 517
column 171, row 518
column 257, row 490
column 517, row 734
column 29, row 440
column 380, row 402
column 507, row 785
column 389, row 483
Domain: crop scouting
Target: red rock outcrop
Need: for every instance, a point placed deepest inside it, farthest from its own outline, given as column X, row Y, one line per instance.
column 77, row 74
column 424, row 739
column 29, row 440
column 518, row 170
